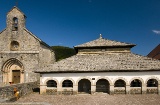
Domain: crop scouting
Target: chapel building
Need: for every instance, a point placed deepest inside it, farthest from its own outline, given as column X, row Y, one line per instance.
column 102, row 66
column 21, row 52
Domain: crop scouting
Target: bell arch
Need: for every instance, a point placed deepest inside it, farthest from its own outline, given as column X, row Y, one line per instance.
column 13, row 71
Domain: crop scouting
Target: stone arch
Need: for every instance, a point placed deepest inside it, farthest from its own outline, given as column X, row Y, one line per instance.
column 142, row 81
column 106, row 78
column 121, row 79
column 152, row 77
column 13, row 71
column 84, row 78
column 67, row 79
column 45, row 82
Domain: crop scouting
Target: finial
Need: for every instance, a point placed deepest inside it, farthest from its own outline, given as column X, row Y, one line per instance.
column 100, row 36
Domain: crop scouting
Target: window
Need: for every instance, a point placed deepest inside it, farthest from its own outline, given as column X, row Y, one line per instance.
column 14, row 46
column 152, row 83
column 136, row 83
column 15, row 24
column 51, row 83
column 67, row 83
column 119, row 83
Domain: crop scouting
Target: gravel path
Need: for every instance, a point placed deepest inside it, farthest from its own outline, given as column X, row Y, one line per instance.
column 98, row 99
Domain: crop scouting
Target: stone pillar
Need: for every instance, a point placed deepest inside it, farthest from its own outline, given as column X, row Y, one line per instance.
column 93, row 89
column 127, row 89
column 75, row 89
column 159, row 89
column 111, row 89
column 144, row 89
column 42, row 89
column 59, row 90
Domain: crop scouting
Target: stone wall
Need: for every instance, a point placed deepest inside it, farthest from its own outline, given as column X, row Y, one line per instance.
column 8, row 92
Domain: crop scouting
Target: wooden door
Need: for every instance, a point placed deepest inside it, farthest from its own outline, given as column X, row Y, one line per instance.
column 16, row 76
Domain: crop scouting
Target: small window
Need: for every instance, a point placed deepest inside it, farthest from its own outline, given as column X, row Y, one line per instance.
column 136, row 83
column 152, row 83
column 51, row 83
column 120, row 83
column 15, row 24
column 14, row 46
column 67, row 83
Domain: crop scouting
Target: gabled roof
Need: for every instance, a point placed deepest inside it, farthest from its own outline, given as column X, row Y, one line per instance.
column 155, row 53
column 101, row 42
column 43, row 43
column 103, row 63
column 17, row 9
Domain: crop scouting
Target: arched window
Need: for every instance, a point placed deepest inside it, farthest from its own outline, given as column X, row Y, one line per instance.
column 120, row 83
column 15, row 24
column 136, row 83
column 14, row 45
column 152, row 83
column 51, row 83
column 67, row 83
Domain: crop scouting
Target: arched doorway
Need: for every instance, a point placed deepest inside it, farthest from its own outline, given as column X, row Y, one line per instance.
column 84, row 86
column 136, row 86
column 13, row 71
column 102, row 85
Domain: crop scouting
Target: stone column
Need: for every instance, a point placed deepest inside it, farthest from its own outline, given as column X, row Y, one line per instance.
column 42, row 89
column 159, row 89
column 59, row 90
column 127, row 89
column 111, row 89
column 75, row 89
column 144, row 89
column 93, row 89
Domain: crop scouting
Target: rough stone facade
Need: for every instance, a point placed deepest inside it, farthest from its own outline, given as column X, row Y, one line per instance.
column 21, row 52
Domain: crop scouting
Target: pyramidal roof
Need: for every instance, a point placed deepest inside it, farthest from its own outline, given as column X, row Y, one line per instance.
column 101, row 42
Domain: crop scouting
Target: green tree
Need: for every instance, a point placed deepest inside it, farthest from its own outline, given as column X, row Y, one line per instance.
column 62, row 52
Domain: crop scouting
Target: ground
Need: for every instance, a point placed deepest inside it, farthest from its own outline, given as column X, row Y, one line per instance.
column 98, row 99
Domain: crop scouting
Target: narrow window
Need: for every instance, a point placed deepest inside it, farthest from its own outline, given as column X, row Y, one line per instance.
column 67, row 83
column 51, row 83
column 15, row 24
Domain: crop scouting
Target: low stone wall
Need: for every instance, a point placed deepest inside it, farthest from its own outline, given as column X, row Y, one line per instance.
column 9, row 92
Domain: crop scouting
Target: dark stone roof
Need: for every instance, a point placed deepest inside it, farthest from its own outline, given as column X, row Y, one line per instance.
column 155, row 53
column 103, row 62
column 101, row 42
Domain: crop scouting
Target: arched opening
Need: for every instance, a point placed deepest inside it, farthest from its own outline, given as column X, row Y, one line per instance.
column 14, row 46
column 13, row 71
column 152, row 83
column 15, row 24
column 51, row 83
column 136, row 83
column 152, row 86
column 136, row 87
column 102, row 85
column 120, row 83
column 67, row 83
column 84, row 85
column 120, row 87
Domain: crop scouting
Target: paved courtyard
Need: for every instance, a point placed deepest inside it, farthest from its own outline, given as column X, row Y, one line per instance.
column 98, row 99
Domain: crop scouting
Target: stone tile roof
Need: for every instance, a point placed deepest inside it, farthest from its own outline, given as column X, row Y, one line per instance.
column 103, row 62
column 101, row 42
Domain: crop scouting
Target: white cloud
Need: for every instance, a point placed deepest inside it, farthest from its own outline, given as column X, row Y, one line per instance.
column 156, row 31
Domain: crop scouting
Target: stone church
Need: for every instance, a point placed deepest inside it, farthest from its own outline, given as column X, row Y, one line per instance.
column 100, row 66
column 21, row 52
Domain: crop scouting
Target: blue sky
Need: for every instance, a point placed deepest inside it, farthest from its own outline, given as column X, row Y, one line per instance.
column 73, row 22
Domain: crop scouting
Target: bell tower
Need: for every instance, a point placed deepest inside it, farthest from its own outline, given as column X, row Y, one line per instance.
column 15, row 19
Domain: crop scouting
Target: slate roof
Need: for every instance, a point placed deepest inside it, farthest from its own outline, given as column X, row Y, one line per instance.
column 155, row 53
column 103, row 62
column 101, row 42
